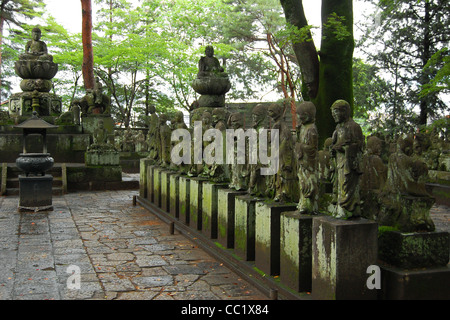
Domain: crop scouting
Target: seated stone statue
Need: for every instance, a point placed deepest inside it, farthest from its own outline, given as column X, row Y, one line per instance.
column 209, row 66
column 36, row 49
column 100, row 139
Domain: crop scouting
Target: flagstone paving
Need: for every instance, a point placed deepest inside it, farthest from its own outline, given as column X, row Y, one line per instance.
column 120, row 251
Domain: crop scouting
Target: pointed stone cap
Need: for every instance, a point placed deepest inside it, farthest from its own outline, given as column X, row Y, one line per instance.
column 35, row 123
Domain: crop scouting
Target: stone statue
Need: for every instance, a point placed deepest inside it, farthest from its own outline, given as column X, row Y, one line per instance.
column 306, row 152
column 153, row 136
column 347, row 148
column 324, row 163
column 100, row 139
column 406, row 203
column 374, row 170
column 257, row 182
column 128, row 141
column 219, row 119
column 239, row 174
column 220, row 172
column 177, row 122
column 166, row 143
column 141, row 143
column 209, row 65
column 195, row 168
column 285, row 181
column 35, row 49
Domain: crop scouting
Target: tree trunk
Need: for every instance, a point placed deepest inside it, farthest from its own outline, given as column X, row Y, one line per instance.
column 331, row 78
column 88, row 55
column 426, row 55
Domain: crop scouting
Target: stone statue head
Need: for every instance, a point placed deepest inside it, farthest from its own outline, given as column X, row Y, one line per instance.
column 340, row 111
column 374, row 145
column 219, row 114
column 259, row 113
column 275, row 111
column 236, row 120
column 36, row 33
column 163, row 118
column 209, row 51
column 178, row 117
column 207, row 118
column 306, row 112
column 405, row 145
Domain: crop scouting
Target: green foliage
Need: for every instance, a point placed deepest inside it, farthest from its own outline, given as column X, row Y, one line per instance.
column 336, row 27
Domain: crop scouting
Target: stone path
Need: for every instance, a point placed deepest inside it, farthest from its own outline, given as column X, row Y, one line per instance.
column 119, row 252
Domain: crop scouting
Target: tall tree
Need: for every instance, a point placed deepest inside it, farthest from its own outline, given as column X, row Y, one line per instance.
column 409, row 44
column 328, row 73
column 88, row 55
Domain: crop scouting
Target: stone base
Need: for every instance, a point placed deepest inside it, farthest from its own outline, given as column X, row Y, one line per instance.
column 174, row 189
column 342, row 251
column 196, row 203
column 165, row 190
column 414, row 250
column 211, row 101
column 225, row 216
column 296, row 251
column 244, row 227
column 157, row 186
column 210, row 207
column 35, row 193
column 185, row 199
column 267, row 235
column 102, row 158
column 428, row 284
column 149, row 181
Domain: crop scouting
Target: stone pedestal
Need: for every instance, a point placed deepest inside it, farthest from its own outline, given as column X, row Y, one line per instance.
column 414, row 250
column 418, row 284
column 165, row 190
column 143, row 164
column 210, row 208
column 35, row 193
column 342, row 252
column 174, row 208
column 267, row 235
column 157, row 186
column 225, row 216
column 296, row 251
column 185, row 198
column 196, row 203
column 244, row 227
column 96, row 158
column 149, row 180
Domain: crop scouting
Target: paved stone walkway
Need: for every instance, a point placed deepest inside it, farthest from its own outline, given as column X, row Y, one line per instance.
column 119, row 251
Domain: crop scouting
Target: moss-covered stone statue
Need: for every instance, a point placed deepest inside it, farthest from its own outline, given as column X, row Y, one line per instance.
column 239, row 174
column 405, row 202
column 258, row 182
column 306, row 152
column 220, row 172
column 101, row 139
column 166, row 143
column 347, row 150
column 285, row 181
column 153, row 136
column 95, row 101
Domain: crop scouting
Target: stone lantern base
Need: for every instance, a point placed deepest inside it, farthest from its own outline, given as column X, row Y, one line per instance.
column 35, row 193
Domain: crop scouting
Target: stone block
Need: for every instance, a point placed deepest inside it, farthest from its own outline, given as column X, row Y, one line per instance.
column 267, row 235
column 96, row 158
column 157, row 186
column 415, row 249
column 185, row 199
column 150, row 193
column 225, row 216
column 425, row 284
column 296, row 251
column 143, row 164
column 244, row 227
column 196, row 203
column 165, row 190
column 210, row 208
column 174, row 197
column 35, row 193
column 342, row 251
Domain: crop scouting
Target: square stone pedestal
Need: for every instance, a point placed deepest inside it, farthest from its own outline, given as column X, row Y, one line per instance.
column 35, row 193
column 210, row 207
column 149, row 181
column 96, row 158
column 296, row 251
column 185, row 198
column 342, row 252
column 225, row 216
column 174, row 189
column 414, row 249
column 267, row 235
column 244, row 227
column 165, row 190
column 196, row 203
column 157, row 186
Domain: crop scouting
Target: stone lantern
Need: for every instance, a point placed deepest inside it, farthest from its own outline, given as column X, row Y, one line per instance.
column 35, row 186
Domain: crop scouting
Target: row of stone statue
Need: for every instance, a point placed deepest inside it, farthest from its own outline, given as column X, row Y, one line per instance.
column 362, row 184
